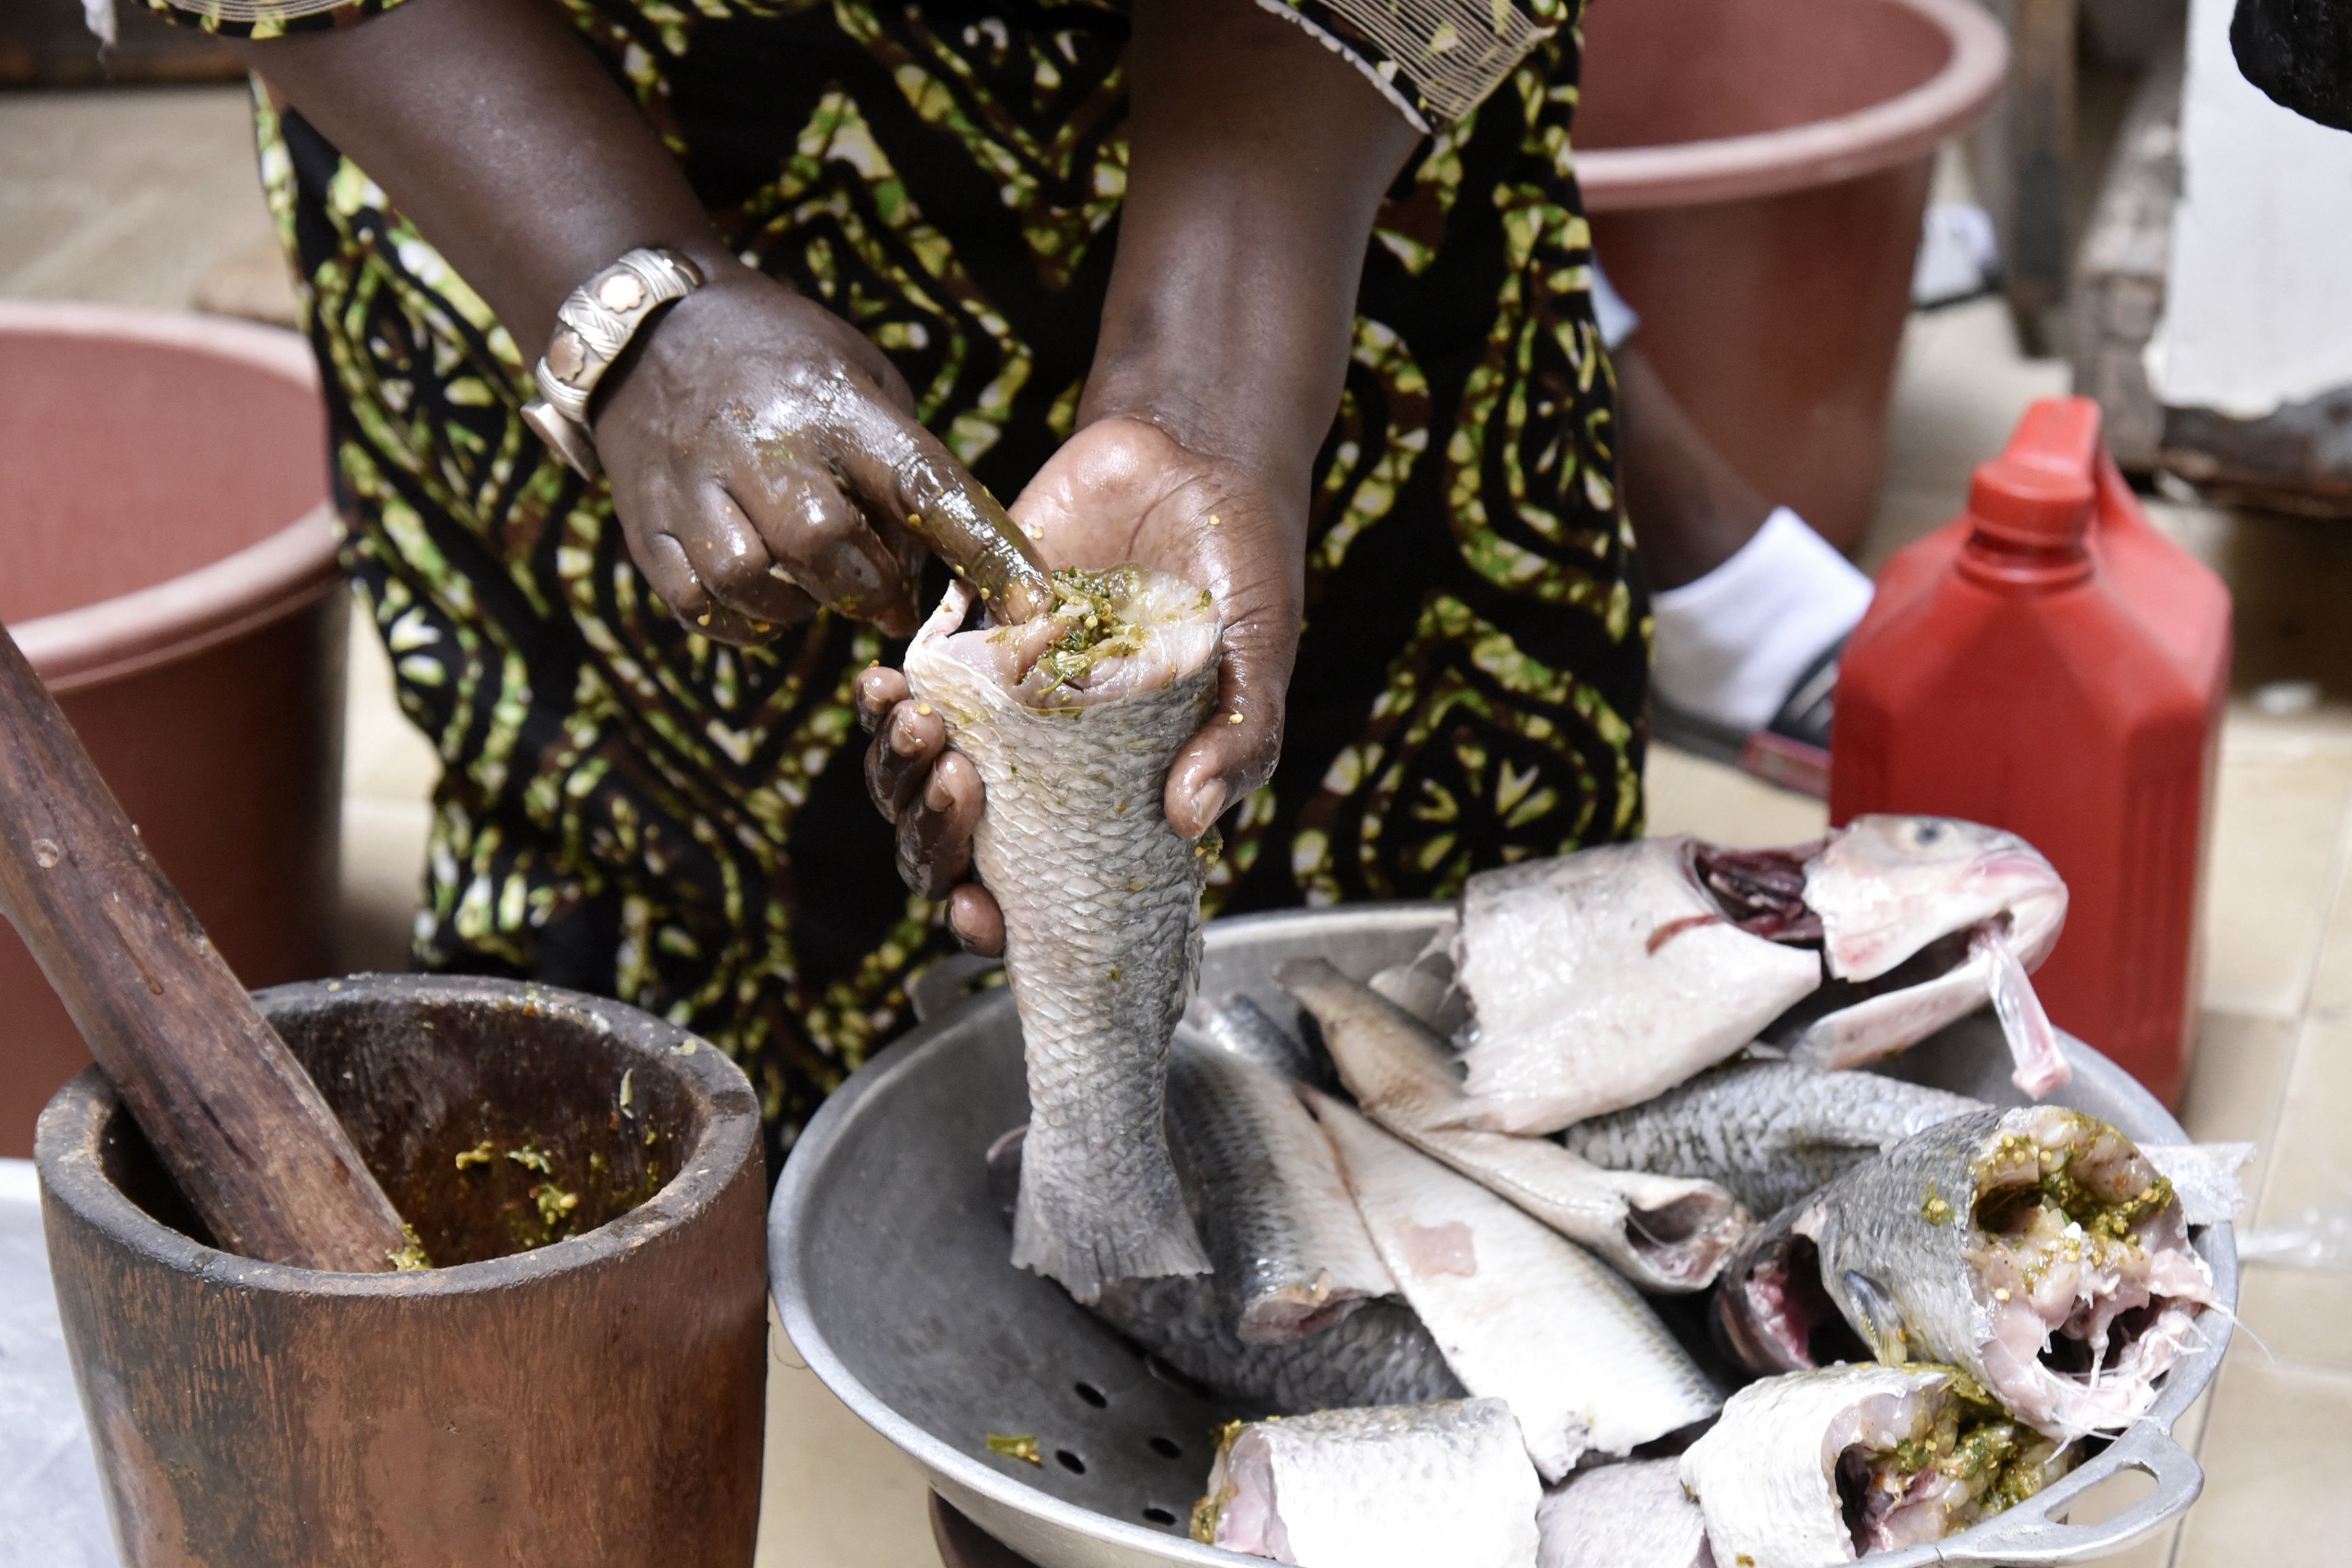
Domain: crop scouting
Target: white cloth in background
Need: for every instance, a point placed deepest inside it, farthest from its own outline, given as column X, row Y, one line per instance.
column 1731, row 644
column 1616, row 318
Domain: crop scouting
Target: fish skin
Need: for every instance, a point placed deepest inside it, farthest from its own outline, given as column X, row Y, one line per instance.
column 1765, row 1474
column 1664, row 1234
column 1394, row 1487
column 1290, row 1252
column 1378, row 1354
column 1769, row 1132
column 1633, row 1515
column 1521, row 1313
column 1575, row 1013
column 1917, row 1282
column 1240, row 1025
column 1102, row 913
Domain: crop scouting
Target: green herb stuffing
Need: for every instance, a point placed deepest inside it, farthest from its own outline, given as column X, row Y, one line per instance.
column 409, row 1257
column 1209, row 1509
column 1089, row 628
column 1024, row 1449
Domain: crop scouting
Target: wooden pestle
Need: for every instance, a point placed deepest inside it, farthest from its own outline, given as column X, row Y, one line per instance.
column 231, row 1113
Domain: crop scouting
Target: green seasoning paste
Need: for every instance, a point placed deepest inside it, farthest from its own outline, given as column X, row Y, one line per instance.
column 1998, row 1461
column 1088, row 627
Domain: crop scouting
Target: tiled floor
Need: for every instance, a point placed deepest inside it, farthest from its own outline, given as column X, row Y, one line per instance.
column 141, row 197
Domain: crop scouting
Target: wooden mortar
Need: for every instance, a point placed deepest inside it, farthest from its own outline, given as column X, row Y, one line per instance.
column 595, row 1401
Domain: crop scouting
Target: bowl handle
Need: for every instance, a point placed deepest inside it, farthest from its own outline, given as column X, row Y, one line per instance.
column 946, row 985
column 2026, row 1535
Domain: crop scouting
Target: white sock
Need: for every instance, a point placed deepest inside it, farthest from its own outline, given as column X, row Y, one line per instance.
column 1731, row 644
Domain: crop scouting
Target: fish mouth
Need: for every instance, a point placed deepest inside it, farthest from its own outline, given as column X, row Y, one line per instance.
column 1772, row 1314
column 1962, row 1460
column 2085, row 1286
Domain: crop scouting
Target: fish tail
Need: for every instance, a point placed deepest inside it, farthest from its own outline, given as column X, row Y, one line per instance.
column 1088, row 1224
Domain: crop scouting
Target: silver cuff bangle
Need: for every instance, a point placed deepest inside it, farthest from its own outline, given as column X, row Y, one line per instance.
column 593, row 324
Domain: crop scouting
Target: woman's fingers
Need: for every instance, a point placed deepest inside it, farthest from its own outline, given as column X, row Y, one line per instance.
column 976, row 920
column 899, row 469
column 1235, row 751
column 877, row 690
column 899, row 760
column 668, row 566
column 818, row 539
column 935, row 832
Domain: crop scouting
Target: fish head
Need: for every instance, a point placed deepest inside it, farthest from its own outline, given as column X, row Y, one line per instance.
column 1888, row 886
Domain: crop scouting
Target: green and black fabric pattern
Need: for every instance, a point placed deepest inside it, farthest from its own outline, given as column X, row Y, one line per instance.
column 631, row 809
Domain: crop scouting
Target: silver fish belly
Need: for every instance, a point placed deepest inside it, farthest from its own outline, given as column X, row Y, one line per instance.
column 1396, row 1487
column 1521, row 1313
column 1663, row 1233
column 2034, row 1250
column 1101, row 902
column 1817, row 1468
column 1633, row 1515
column 1771, row 1132
column 1290, row 1252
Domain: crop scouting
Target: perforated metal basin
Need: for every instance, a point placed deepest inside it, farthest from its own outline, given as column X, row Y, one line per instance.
column 890, row 1269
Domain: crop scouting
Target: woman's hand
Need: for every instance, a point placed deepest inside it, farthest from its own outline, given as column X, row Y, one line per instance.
column 1121, row 490
column 764, row 459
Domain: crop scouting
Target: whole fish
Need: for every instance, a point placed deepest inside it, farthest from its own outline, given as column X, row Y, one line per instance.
column 1073, row 719
column 1521, row 1313
column 1397, row 1488
column 2036, row 1250
column 1622, row 1516
column 1291, row 1255
column 1819, row 1467
column 1240, row 1025
column 1599, row 979
column 1376, row 1354
column 1663, row 1233
column 1769, row 1131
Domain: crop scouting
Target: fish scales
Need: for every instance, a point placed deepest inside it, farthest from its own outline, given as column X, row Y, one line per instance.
column 1521, row 1313
column 1290, row 1252
column 1380, row 1354
column 1771, row 1132
column 1102, row 912
column 1905, row 1257
column 1633, row 1515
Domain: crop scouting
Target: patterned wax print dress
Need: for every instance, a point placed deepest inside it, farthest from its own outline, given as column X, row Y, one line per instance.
column 630, row 809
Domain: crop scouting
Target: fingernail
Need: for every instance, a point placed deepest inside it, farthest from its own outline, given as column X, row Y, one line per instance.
column 903, row 739
column 1209, row 803
column 936, row 794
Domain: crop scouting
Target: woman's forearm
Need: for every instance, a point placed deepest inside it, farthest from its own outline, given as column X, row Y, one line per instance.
column 493, row 128
column 1258, row 159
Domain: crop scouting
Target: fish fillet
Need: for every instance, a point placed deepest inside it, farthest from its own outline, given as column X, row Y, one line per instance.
column 1521, row 1313
column 1101, row 897
column 1663, row 1233
column 1404, row 1487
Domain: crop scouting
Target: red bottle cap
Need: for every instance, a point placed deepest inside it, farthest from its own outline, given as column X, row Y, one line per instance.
column 2029, row 505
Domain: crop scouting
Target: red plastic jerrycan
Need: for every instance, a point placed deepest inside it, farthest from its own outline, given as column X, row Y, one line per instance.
column 2050, row 664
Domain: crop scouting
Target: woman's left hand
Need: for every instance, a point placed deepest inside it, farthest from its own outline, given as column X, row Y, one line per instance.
column 1120, row 489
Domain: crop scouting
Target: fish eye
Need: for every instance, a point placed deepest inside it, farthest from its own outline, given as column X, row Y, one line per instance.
column 1929, row 832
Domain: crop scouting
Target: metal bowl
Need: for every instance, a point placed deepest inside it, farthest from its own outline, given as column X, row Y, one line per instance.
column 890, row 1269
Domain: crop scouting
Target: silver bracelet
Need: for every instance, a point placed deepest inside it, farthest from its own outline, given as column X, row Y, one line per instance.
column 593, row 324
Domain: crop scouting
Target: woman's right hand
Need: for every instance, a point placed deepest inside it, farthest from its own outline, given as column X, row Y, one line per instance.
column 766, row 462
